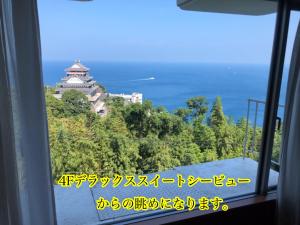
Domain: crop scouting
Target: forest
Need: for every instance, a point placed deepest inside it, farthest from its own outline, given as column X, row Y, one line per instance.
column 141, row 138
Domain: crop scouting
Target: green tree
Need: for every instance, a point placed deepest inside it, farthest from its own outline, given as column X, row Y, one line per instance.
column 75, row 103
column 183, row 113
column 184, row 149
column 140, row 138
column 140, row 119
column 115, row 103
column 217, row 121
column 155, row 155
column 204, row 136
column 125, row 155
column 217, row 117
column 276, row 148
column 72, row 147
column 168, row 124
column 198, row 105
column 54, row 106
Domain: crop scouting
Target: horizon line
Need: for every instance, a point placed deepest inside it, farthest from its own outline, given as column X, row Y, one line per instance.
column 161, row 62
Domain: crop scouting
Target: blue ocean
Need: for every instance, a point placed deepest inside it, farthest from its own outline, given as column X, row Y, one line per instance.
column 171, row 84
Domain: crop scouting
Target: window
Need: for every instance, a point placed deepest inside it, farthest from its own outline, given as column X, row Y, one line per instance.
column 96, row 129
column 275, row 163
column 162, row 104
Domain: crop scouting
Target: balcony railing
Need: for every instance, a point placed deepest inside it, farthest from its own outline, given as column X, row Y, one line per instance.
column 252, row 149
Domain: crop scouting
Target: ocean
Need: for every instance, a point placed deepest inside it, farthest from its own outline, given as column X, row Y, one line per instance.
column 171, row 84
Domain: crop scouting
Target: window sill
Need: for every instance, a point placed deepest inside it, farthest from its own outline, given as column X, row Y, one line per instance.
column 77, row 206
column 187, row 217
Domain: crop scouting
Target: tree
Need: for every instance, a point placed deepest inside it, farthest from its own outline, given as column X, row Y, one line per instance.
column 115, row 103
column 184, row 149
column 75, row 103
column 204, row 136
column 198, row 105
column 183, row 113
column 139, row 138
column 115, row 123
column 72, row 147
column 277, row 146
column 54, row 106
column 168, row 124
column 60, row 146
column 140, row 120
column 126, row 154
column 217, row 121
column 217, row 117
column 155, row 155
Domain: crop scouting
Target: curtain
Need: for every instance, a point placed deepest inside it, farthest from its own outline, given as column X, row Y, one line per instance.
column 26, row 192
column 289, row 178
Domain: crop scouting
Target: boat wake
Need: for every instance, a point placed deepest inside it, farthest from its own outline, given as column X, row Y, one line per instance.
column 144, row 79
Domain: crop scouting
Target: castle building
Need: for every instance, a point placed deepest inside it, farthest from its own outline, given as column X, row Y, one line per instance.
column 78, row 78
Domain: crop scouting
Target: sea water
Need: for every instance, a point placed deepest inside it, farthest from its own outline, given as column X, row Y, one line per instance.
column 172, row 84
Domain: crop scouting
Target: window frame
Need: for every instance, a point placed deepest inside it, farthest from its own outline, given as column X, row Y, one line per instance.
column 174, row 217
column 273, row 94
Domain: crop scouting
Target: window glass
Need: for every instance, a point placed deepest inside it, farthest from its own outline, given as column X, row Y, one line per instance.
column 147, row 100
column 275, row 163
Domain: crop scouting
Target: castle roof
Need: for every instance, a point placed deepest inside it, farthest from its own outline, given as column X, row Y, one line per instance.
column 77, row 67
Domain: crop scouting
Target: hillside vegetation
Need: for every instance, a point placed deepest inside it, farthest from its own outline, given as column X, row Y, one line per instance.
column 139, row 138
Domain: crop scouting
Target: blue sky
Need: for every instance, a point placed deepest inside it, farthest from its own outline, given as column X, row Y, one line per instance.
column 152, row 30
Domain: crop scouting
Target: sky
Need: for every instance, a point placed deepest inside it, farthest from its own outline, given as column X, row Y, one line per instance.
column 153, row 31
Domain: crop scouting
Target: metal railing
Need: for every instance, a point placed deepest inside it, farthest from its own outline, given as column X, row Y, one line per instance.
column 252, row 148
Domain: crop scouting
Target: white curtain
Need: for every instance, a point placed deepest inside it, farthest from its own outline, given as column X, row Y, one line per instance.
column 289, row 179
column 26, row 192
